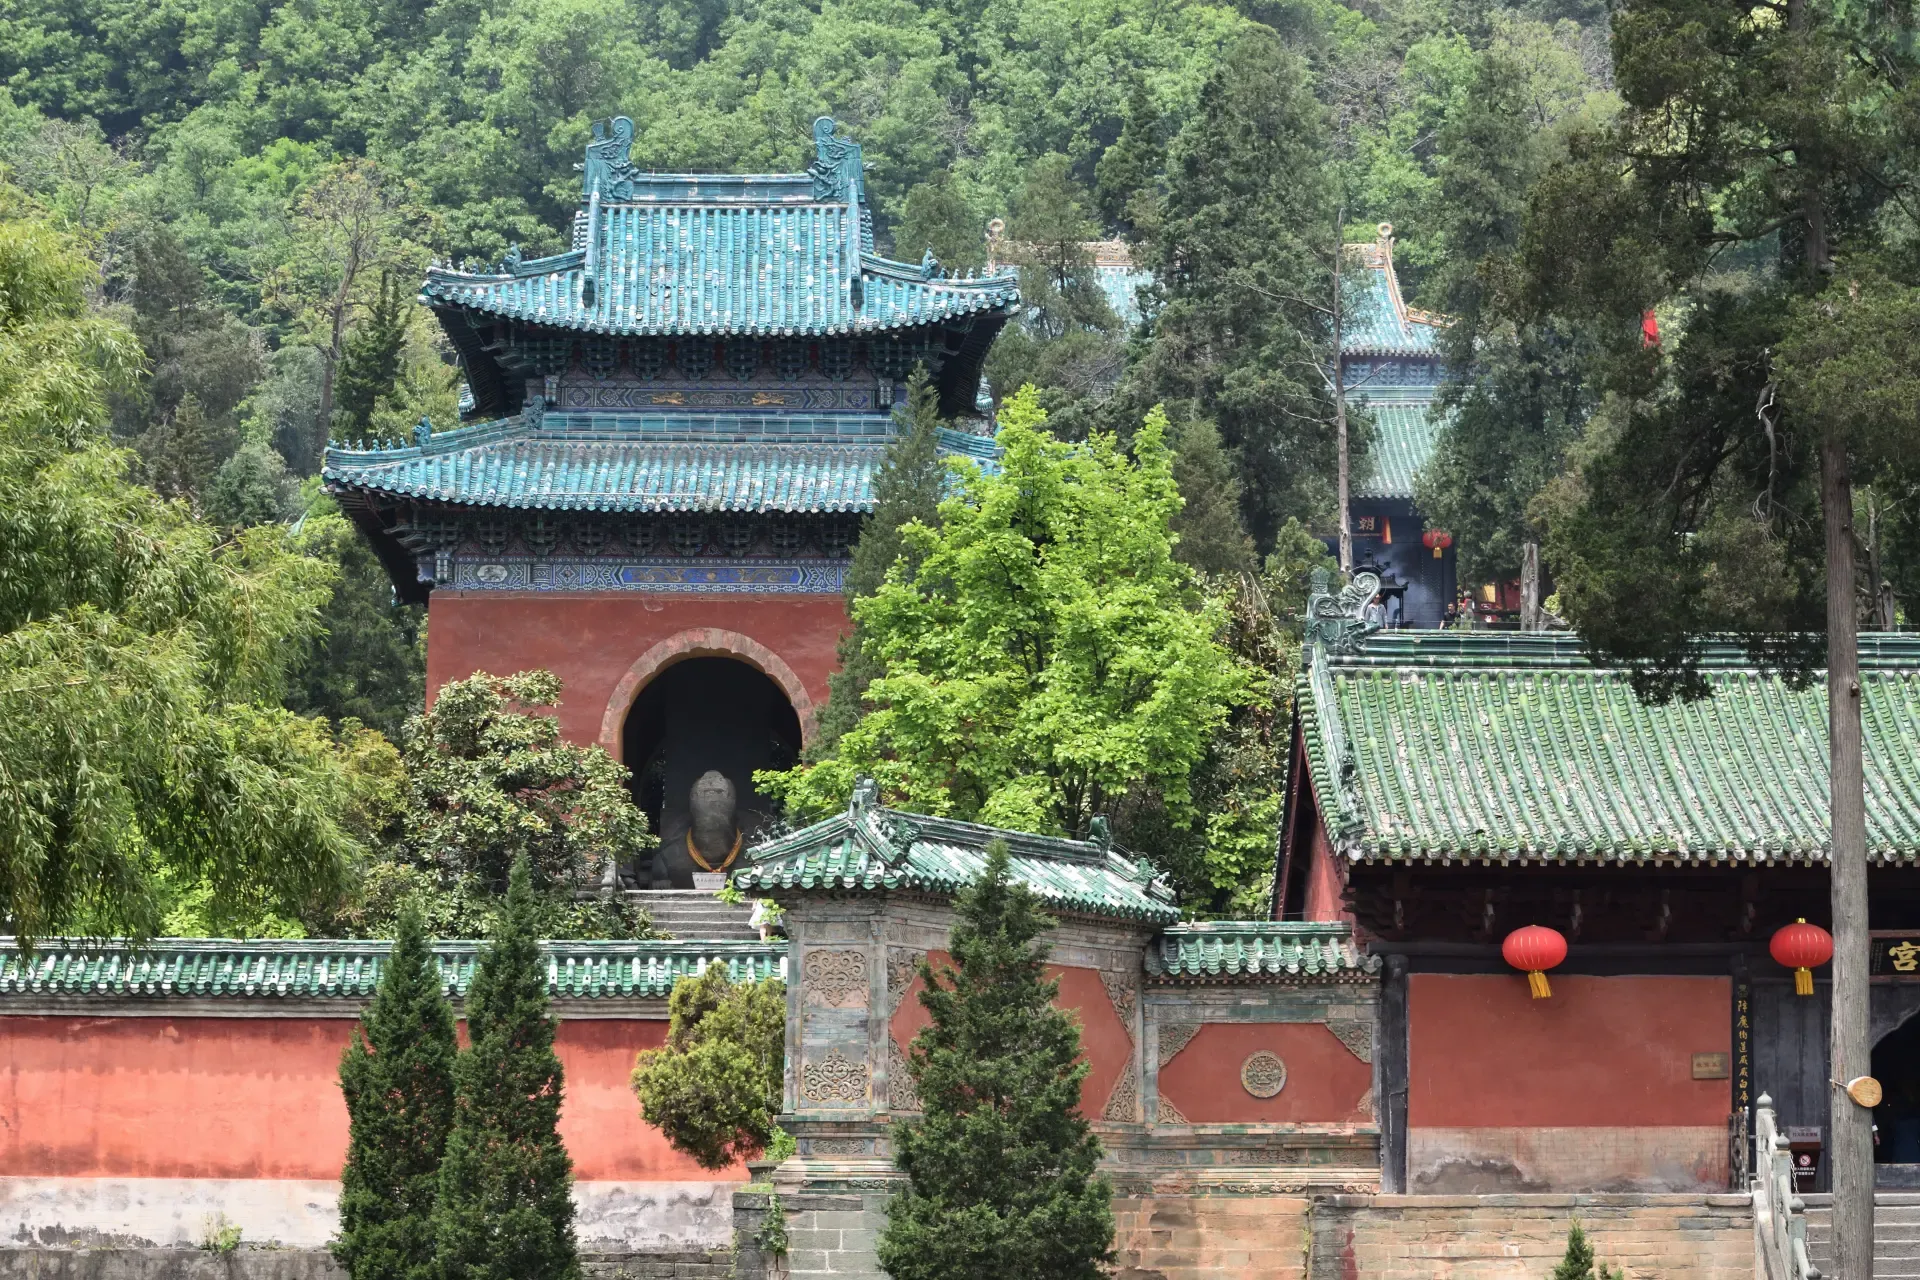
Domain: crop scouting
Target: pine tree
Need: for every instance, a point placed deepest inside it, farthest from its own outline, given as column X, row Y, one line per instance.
column 1211, row 539
column 1578, row 1262
column 907, row 488
column 370, row 368
column 397, row 1075
column 1001, row 1168
column 1130, row 170
column 504, row 1211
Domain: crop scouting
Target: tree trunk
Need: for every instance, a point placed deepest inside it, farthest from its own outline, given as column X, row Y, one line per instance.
column 1340, row 398
column 1530, row 619
column 1850, row 1127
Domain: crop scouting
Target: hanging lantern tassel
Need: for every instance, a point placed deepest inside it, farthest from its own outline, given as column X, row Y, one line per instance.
column 1534, row 950
column 1800, row 947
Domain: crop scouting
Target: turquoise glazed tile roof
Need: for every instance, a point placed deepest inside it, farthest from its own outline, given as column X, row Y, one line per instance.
column 1403, row 438
column 220, row 968
column 870, row 849
column 642, row 463
column 1494, row 747
column 764, row 254
column 1259, row 951
column 1381, row 323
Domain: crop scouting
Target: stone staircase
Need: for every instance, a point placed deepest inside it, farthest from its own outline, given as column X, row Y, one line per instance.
column 694, row 915
column 1896, row 1234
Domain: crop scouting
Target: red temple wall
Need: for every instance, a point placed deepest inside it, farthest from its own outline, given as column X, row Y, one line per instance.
column 161, row 1097
column 1590, row 1089
column 1326, row 1083
column 1104, row 1042
column 595, row 642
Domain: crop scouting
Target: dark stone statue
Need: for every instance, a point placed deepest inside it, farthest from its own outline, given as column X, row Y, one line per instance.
column 712, row 830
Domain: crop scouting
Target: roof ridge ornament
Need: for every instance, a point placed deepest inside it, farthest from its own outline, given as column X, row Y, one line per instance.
column 609, row 166
column 1339, row 622
column 837, row 170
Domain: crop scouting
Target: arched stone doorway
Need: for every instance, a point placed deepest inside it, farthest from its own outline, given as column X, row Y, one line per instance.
column 698, row 714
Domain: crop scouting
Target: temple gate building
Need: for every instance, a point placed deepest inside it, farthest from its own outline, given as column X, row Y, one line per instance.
column 673, row 432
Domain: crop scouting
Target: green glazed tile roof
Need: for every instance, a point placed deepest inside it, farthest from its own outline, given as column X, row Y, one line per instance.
column 1259, row 951
column 1403, row 436
column 1499, row 747
column 875, row 850
column 350, row 970
column 770, row 269
column 641, row 464
column 1380, row 322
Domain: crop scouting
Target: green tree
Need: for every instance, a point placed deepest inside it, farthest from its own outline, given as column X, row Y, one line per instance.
column 397, row 1077
column 906, row 489
column 369, row 662
column 1130, row 170
column 141, row 654
column 1239, row 248
column 489, row 782
column 936, row 218
column 714, row 1087
column 1047, row 655
column 1578, row 1262
column 251, row 487
column 1211, row 538
column 1756, row 192
column 504, row 1209
column 1001, row 1166
column 370, row 365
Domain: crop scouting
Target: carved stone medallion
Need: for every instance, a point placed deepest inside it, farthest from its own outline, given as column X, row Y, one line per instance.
column 1175, row 1036
column 836, row 978
column 1263, row 1074
column 834, row 1079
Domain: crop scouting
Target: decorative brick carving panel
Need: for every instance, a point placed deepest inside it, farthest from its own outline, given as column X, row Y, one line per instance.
column 1125, row 996
column 1356, row 1035
column 1175, row 1036
column 901, row 1095
column 902, row 967
column 1124, row 1104
column 834, row 1079
column 835, row 978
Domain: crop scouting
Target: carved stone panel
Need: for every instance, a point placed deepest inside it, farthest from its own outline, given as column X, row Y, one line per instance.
column 1356, row 1035
column 902, row 967
column 1125, row 996
column 834, row 1079
column 901, row 1095
column 1175, row 1036
column 1170, row 1114
column 835, row 978
column 1124, row 1104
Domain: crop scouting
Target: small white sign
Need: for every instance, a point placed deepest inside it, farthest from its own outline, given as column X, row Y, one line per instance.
column 710, row 881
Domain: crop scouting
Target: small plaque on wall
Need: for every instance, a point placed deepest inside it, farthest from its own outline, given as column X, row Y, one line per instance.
column 1710, row 1066
column 1895, row 956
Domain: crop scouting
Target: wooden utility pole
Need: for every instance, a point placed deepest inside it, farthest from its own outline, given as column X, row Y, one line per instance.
column 1850, row 1126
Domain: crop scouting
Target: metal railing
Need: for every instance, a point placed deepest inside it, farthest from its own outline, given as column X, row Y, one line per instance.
column 1779, row 1215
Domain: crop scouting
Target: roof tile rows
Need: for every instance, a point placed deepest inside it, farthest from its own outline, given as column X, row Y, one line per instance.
column 1444, row 746
column 350, row 970
column 767, row 269
column 1244, row 950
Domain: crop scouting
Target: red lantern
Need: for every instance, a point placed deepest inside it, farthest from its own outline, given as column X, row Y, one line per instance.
column 1436, row 541
column 1801, row 946
column 1535, row 949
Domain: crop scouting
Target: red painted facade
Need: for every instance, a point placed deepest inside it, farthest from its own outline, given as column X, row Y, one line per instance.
column 604, row 647
column 1601, row 1051
column 158, row 1097
column 1326, row 1083
column 1104, row 1042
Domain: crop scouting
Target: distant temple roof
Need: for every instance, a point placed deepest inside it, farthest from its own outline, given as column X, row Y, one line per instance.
column 753, row 254
column 868, row 848
column 1498, row 747
column 1393, row 351
column 323, row 968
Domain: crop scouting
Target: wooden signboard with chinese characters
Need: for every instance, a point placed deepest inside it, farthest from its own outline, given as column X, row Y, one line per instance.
column 1895, row 956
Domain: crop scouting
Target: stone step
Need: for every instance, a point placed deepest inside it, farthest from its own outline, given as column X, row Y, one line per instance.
column 695, row 915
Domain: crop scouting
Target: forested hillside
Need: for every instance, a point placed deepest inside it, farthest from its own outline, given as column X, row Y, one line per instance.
column 259, row 185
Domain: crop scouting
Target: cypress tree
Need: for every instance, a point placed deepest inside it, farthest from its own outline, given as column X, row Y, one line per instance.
column 370, row 366
column 397, row 1075
column 504, row 1211
column 1001, row 1181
